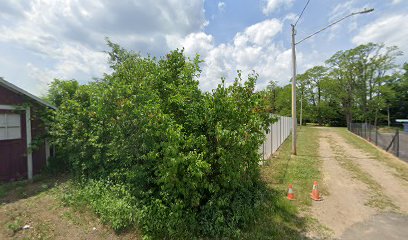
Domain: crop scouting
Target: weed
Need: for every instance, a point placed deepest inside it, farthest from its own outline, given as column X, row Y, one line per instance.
column 15, row 225
column 43, row 231
column 111, row 202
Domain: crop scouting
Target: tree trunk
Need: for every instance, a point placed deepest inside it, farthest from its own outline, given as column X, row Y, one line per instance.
column 349, row 117
column 388, row 116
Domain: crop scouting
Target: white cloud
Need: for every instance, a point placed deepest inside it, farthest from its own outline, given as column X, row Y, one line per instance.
column 396, row 1
column 290, row 17
column 193, row 43
column 269, row 6
column 387, row 30
column 341, row 10
column 251, row 49
column 221, row 6
column 259, row 33
column 66, row 37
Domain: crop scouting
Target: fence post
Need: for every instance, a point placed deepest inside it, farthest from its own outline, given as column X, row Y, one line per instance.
column 397, row 143
column 263, row 151
column 369, row 132
column 365, row 131
column 271, row 140
column 280, row 131
column 376, row 136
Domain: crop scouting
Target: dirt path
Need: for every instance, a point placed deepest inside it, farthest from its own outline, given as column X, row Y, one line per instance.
column 360, row 188
column 393, row 187
column 336, row 210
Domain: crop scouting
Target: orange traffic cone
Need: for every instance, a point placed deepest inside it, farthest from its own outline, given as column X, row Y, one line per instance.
column 315, row 192
column 291, row 195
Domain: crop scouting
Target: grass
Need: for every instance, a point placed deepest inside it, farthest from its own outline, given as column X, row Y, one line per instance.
column 286, row 219
column 15, row 186
column 281, row 219
column 387, row 129
column 400, row 167
column 300, row 170
column 38, row 204
column 15, row 225
column 23, row 189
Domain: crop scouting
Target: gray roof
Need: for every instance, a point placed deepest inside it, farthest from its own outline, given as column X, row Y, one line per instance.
column 18, row 90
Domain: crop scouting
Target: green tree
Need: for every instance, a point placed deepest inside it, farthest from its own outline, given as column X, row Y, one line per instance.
column 396, row 92
column 310, row 86
column 187, row 160
column 360, row 72
column 61, row 90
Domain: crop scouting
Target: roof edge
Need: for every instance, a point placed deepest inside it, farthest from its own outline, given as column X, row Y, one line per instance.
column 16, row 89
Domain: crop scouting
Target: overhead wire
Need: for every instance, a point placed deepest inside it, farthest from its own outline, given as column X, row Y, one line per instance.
column 300, row 15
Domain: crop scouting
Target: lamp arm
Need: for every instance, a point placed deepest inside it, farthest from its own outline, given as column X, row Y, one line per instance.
column 321, row 30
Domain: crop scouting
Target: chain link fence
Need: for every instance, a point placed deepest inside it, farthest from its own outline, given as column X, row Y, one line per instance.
column 393, row 141
column 278, row 133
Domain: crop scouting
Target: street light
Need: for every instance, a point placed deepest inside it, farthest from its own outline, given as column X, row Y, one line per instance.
column 294, row 43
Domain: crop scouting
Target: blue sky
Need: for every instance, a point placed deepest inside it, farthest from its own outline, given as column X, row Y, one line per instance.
column 46, row 39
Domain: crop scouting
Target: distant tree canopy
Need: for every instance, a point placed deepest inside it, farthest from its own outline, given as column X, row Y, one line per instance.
column 362, row 84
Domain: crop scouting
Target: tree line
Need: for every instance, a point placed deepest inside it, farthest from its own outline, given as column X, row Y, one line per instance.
column 363, row 84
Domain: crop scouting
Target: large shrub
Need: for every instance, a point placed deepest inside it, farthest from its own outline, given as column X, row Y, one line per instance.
column 188, row 158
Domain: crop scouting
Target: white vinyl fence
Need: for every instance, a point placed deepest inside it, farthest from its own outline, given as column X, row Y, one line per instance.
column 279, row 132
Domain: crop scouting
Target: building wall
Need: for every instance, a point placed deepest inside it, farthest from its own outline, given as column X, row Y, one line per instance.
column 38, row 130
column 13, row 153
column 8, row 97
column 13, row 157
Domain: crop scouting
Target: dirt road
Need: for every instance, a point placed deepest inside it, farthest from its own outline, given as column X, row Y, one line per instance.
column 367, row 198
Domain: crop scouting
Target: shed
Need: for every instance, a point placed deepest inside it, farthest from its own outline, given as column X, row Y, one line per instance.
column 23, row 150
column 404, row 123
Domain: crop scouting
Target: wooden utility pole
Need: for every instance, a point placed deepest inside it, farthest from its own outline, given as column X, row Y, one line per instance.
column 294, row 121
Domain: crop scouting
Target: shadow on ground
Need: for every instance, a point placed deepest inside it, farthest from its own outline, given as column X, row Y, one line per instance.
column 13, row 191
column 279, row 220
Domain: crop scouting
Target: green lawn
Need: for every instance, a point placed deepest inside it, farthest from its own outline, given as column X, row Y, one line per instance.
column 289, row 219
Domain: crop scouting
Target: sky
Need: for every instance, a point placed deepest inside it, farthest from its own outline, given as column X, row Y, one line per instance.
column 45, row 39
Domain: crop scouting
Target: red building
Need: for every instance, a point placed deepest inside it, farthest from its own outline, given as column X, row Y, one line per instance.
column 23, row 149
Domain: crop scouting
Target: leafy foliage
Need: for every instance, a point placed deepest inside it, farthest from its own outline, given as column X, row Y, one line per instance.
column 112, row 202
column 359, row 84
column 186, row 160
column 61, row 90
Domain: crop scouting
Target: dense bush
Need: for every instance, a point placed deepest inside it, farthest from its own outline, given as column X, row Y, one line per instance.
column 187, row 159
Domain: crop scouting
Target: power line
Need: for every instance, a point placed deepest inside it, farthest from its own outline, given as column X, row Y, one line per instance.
column 302, row 12
column 331, row 24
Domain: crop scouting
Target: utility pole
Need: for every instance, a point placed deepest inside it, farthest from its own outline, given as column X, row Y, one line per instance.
column 294, row 121
column 301, row 109
column 294, row 43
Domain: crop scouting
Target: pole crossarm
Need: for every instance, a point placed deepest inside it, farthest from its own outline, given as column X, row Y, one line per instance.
column 331, row 24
